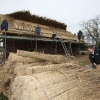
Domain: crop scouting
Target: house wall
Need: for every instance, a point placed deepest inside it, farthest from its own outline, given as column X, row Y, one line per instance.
column 42, row 46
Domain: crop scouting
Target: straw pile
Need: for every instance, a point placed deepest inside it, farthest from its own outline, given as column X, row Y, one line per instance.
column 34, row 76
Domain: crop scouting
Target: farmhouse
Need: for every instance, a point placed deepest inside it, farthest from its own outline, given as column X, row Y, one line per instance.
column 21, row 35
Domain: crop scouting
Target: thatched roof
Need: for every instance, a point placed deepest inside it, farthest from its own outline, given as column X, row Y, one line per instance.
column 27, row 16
column 28, row 28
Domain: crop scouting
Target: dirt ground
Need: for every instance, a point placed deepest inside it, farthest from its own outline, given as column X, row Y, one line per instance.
column 83, row 82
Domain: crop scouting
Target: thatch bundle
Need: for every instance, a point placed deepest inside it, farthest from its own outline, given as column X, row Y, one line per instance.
column 27, row 16
column 24, row 77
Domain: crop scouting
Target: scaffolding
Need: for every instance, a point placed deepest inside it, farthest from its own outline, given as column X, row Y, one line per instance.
column 30, row 35
column 34, row 38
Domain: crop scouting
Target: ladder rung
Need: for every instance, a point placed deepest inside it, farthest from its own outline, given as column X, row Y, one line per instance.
column 64, row 46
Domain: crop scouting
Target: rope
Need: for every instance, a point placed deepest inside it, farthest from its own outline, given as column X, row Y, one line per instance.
column 13, row 44
column 58, row 88
column 31, row 44
column 43, row 87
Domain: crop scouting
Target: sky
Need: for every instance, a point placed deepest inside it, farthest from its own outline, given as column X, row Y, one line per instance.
column 70, row 12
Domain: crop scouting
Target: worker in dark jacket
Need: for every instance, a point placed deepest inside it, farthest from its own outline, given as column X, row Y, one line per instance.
column 38, row 30
column 94, row 56
column 4, row 25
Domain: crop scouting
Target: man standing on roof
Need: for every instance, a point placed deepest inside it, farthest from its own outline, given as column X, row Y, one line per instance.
column 38, row 30
column 94, row 56
column 4, row 25
column 53, row 36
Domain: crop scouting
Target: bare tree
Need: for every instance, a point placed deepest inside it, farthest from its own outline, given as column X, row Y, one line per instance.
column 92, row 28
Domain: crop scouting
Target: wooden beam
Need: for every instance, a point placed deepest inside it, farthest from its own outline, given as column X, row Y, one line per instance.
column 55, row 47
column 36, row 44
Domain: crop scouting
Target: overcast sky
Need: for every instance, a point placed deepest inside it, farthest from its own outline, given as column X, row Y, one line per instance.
column 70, row 12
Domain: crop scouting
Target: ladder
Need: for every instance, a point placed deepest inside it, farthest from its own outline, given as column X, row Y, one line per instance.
column 64, row 46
